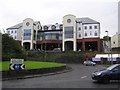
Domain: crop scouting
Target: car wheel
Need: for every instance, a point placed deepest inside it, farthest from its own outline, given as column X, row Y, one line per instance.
column 106, row 79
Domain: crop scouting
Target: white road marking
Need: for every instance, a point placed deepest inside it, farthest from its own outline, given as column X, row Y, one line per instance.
column 84, row 77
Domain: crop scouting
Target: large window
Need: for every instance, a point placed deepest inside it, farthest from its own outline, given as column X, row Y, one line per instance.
column 50, row 35
column 27, row 34
column 68, row 32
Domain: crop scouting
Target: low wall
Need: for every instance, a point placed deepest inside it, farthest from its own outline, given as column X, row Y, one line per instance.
column 10, row 74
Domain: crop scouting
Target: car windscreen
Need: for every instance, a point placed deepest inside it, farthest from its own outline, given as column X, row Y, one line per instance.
column 111, row 67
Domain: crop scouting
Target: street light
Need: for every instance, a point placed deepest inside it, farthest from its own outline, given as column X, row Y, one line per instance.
column 108, row 48
column 107, row 39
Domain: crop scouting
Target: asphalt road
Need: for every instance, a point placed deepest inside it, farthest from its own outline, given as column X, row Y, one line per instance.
column 79, row 77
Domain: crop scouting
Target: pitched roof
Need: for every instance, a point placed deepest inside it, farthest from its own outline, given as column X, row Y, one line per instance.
column 19, row 25
column 57, row 26
column 15, row 26
column 86, row 20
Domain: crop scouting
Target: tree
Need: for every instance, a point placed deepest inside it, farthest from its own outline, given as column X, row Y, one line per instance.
column 11, row 48
column 106, row 38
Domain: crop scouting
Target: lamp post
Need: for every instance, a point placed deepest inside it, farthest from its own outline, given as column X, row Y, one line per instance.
column 107, row 40
column 44, row 38
column 109, row 49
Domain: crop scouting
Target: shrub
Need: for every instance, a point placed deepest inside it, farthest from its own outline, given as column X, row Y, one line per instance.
column 11, row 49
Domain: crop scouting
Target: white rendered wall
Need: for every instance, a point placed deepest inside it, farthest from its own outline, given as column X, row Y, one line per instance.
column 28, row 27
column 114, row 41
column 93, row 30
column 66, row 24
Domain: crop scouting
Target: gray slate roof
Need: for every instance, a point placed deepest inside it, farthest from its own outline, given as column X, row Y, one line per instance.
column 86, row 20
column 17, row 26
column 50, row 26
column 83, row 20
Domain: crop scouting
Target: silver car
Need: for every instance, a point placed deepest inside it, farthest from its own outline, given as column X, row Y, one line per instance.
column 89, row 63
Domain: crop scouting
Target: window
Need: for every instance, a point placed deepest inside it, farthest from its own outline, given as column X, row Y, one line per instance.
column 85, row 34
column 79, row 28
column 95, row 33
column 11, row 31
column 68, row 32
column 95, row 27
column 61, row 26
column 90, row 33
column 114, row 42
column 15, row 31
column 45, row 28
column 15, row 37
column 79, row 35
column 85, row 27
column 90, row 27
column 27, row 34
column 53, row 27
column 8, row 32
column 69, row 20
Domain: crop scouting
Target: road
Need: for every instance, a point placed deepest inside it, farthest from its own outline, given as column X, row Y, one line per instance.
column 79, row 77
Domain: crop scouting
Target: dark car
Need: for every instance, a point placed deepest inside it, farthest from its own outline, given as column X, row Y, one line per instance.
column 110, row 73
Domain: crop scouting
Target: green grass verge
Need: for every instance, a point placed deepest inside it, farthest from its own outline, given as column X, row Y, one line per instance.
column 4, row 66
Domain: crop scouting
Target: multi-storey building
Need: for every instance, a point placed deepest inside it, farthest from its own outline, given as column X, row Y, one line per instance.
column 74, row 34
column 115, row 42
column 25, row 33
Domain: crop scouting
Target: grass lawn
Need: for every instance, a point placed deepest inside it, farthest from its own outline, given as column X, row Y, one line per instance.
column 4, row 66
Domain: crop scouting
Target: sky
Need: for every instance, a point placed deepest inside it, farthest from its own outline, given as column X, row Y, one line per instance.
column 13, row 12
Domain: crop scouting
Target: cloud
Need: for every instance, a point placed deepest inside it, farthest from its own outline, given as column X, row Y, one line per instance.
column 52, row 11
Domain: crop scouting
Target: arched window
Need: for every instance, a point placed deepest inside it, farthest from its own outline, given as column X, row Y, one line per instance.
column 53, row 27
column 45, row 27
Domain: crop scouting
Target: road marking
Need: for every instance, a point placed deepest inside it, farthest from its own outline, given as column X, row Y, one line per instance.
column 84, row 77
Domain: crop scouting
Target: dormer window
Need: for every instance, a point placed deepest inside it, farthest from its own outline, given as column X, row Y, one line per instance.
column 53, row 27
column 61, row 26
column 45, row 27
column 38, row 27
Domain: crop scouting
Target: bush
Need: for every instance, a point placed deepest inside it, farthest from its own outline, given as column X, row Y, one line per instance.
column 11, row 49
column 62, row 57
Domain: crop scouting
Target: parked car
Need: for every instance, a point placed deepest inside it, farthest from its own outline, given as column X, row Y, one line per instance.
column 105, row 75
column 56, row 49
column 89, row 63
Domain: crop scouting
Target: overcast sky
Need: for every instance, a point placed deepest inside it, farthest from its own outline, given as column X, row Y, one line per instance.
column 13, row 12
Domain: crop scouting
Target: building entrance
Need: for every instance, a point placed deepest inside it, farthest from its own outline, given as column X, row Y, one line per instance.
column 26, row 45
column 68, row 45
